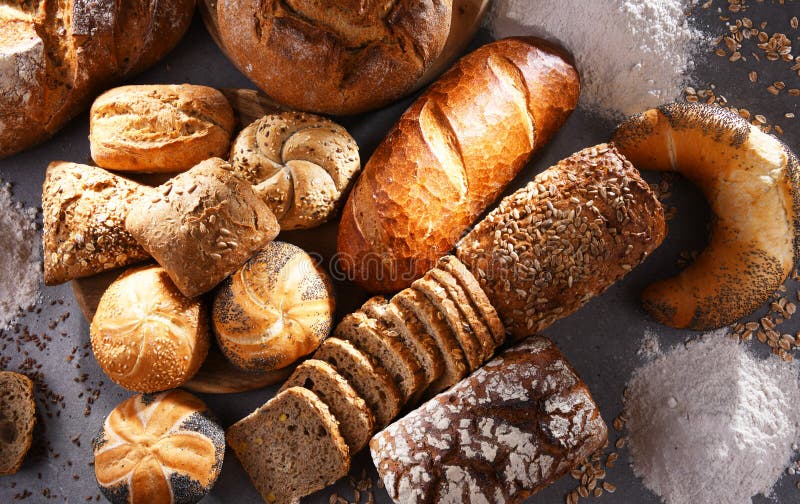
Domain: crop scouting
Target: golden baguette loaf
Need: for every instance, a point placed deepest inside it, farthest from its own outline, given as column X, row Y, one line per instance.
column 451, row 155
column 56, row 56
column 159, row 127
column 752, row 183
column 577, row 228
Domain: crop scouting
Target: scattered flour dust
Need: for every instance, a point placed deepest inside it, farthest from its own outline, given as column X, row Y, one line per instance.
column 709, row 422
column 631, row 54
column 20, row 264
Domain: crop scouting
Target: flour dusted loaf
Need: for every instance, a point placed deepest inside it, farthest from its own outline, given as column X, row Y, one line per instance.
column 146, row 335
column 290, row 447
column 508, row 430
column 55, row 57
column 158, row 449
column 450, row 156
column 751, row 181
column 202, row 225
column 301, row 164
column 333, row 57
column 17, row 419
column 568, row 235
column 275, row 309
column 84, row 210
column 159, row 128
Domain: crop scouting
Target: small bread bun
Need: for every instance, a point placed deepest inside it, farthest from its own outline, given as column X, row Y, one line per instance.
column 160, row 127
column 146, row 335
column 275, row 309
column 751, row 181
column 158, row 449
column 300, row 164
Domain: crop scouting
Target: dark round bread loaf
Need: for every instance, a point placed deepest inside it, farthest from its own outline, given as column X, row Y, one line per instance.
column 158, row 449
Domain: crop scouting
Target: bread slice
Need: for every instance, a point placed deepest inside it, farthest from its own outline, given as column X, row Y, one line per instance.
column 290, row 447
column 480, row 301
column 385, row 349
column 17, row 418
column 455, row 363
column 407, row 327
column 468, row 341
column 356, row 422
column 461, row 301
column 368, row 379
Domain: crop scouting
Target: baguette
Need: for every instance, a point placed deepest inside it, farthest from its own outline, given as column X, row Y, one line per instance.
column 510, row 429
column 577, row 228
column 451, row 155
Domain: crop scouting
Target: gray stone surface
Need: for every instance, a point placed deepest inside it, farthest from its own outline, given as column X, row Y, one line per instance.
column 601, row 340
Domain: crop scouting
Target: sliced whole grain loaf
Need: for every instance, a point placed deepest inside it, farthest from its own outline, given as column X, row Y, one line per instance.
column 480, row 301
column 356, row 422
column 290, row 447
column 408, row 329
column 468, row 341
column 389, row 352
column 461, row 301
column 455, row 363
column 369, row 380
column 17, row 418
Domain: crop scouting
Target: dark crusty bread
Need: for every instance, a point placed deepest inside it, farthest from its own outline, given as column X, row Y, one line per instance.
column 17, row 418
column 84, row 210
column 510, row 429
column 290, row 447
column 442, row 165
column 449, row 312
column 406, row 327
column 159, row 127
column 202, row 225
column 356, row 422
column 455, row 363
column 577, row 228
column 469, row 283
column 368, row 379
column 385, row 349
column 56, row 56
column 340, row 57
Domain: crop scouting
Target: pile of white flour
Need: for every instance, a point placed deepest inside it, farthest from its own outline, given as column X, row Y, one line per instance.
column 708, row 422
column 20, row 264
column 631, row 54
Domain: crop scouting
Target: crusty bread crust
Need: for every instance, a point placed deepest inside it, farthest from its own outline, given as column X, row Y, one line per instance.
column 450, row 156
column 337, row 58
column 56, row 56
column 18, row 410
column 751, row 181
column 160, row 127
column 564, row 238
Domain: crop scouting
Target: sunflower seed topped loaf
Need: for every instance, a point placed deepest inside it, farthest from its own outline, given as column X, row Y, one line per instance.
column 158, row 449
column 84, row 210
column 300, row 164
column 56, row 56
column 564, row 238
column 160, row 127
column 508, row 430
column 202, row 225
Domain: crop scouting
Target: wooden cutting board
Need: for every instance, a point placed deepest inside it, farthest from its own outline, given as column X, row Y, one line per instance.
column 466, row 19
column 217, row 375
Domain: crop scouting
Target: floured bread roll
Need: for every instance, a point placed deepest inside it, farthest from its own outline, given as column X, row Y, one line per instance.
column 301, row 164
column 275, row 309
column 146, row 335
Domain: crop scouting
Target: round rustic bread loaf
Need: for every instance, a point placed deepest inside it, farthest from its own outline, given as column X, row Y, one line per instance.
column 56, row 56
column 340, row 57
column 160, row 127
column 275, row 309
column 158, row 449
column 300, row 164
column 146, row 335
